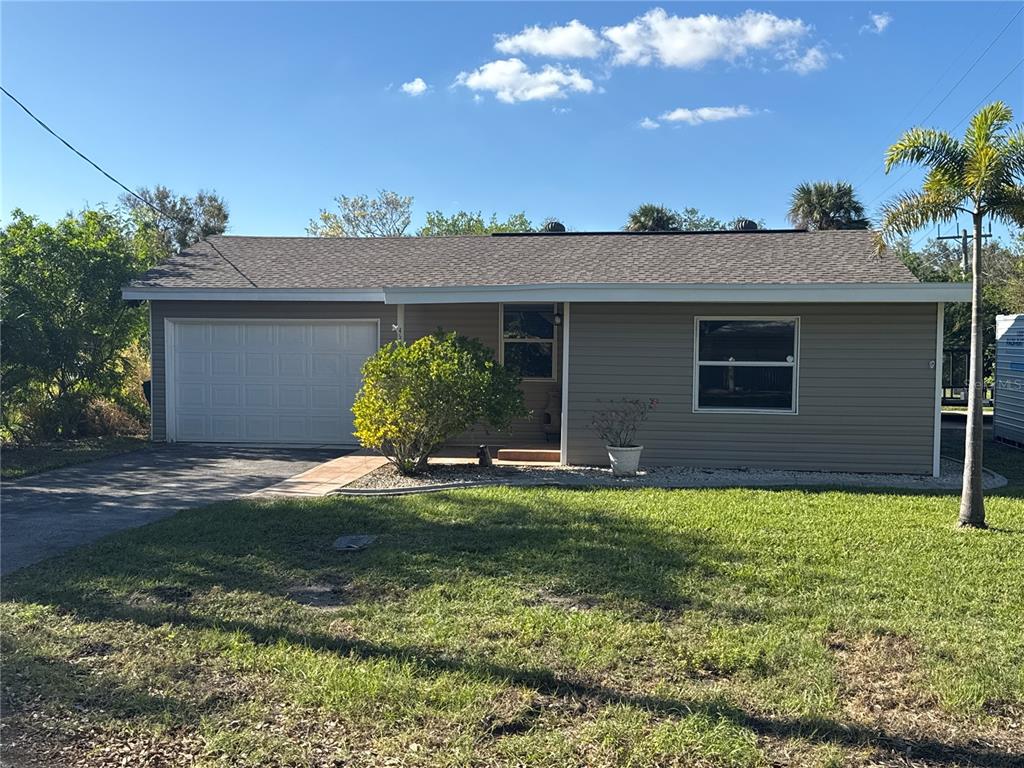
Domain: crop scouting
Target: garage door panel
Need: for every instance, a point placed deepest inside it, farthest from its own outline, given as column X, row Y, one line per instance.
column 258, row 381
column 225, row 336
column 292, row 397
column 191, row 363
column 327, row 336
column 326, row 398
column 225, row 363
column 259, row 428
column 323, row 365
column 362, row 336
column 259, row 396
column 190, row 335
column 292, row 336
column 259, row 335
column 328, row 430
column 225, row 395
column 191, row 395
column 225, row 427
column 291, row 365
column 259, row 364
column 191, row 427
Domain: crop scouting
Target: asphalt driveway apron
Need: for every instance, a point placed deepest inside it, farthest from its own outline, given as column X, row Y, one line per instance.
column 46, row 514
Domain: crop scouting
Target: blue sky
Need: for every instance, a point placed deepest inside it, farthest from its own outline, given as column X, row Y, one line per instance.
column 281, row 107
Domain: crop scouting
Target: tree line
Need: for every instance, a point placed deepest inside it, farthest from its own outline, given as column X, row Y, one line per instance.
column 813, row 205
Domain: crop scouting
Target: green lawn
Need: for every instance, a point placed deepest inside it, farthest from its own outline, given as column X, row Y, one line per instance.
column 535, row 627
column 21, row 460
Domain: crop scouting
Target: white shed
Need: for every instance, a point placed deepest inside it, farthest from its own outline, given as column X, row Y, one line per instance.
column 1008, row 417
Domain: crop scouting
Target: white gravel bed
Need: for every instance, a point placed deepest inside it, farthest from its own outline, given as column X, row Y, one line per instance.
column 439, row 476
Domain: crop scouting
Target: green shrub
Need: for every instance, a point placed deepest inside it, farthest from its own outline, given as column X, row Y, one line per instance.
column 67, row 334
column 415, row 397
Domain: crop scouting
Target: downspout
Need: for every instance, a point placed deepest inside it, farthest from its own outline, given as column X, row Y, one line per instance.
column 564, row 445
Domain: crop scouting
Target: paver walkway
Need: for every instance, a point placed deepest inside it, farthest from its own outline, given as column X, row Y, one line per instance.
column 329, row 476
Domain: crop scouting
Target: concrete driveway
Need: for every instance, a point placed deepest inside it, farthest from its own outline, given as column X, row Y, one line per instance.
column 43, row 515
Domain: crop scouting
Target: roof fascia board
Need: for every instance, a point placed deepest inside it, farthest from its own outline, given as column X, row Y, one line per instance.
column 140, row 293
column 751, row 292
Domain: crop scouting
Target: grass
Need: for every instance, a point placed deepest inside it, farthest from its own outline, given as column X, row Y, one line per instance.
column 23, row 460
column 538, row 627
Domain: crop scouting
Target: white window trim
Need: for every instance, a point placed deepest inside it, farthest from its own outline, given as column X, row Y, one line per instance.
column 554, row 341
column 795, row 365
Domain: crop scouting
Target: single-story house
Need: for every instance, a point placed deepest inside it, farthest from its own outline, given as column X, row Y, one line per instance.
column 769, row 348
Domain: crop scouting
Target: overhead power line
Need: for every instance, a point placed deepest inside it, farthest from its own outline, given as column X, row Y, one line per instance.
column 957, row 124
column 953, row 88
column 971, row 68
column 130, row 191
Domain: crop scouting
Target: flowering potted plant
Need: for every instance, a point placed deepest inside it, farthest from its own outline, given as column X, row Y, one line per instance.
column 617, row 425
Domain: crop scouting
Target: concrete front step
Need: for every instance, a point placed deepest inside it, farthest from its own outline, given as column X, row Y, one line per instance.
column 529, row 454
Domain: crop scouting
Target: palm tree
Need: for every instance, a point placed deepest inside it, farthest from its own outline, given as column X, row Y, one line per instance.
column 826, row 205
column 653, row 218
column 980, row 175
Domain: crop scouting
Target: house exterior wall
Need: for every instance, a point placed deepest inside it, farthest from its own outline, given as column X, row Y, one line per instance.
column 474, row 320
column 247, row 310
column 482, row 321
column 866, row 387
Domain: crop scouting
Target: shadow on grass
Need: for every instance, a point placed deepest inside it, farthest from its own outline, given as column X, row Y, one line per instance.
column 566, row 542
column 543, row 681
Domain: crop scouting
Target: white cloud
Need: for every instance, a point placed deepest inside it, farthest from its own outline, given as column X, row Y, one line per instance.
column 511, row 81
column 878, row 24
column 575, row 40
column 649, row 124
column 692, row 41
column 811, row 60
column 415, row 87
column 703, row 115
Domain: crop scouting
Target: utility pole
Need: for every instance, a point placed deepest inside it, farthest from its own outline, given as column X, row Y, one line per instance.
column 965, row 247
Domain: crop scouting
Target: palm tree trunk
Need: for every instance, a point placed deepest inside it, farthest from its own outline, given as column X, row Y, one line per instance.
column 972, row 502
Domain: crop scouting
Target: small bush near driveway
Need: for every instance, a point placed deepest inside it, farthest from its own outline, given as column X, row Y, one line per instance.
column 415, row 397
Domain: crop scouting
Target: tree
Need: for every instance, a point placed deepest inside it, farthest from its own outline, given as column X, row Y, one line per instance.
column 654, row 218
column 692, row 220
column 415, row 397
column 187, row 221
column 980, row 175
column 659, row 218
column 387, row 215
column 939, row 261
column 65, row 327
column 826, row 205
column 470, row 223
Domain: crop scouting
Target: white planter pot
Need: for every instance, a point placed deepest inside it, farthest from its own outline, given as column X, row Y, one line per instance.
column 625, row 461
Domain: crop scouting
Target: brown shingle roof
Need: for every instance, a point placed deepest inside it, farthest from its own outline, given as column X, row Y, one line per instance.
column 765, row 257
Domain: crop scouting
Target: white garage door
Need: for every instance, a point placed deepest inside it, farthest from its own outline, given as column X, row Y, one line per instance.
column 246, row 381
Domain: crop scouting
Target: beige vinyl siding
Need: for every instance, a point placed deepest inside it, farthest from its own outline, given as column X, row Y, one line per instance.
column 866, row 387
column 251, row 310
column 481, row 321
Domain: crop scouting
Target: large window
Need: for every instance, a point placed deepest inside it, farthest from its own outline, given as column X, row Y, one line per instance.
column 746, row 364
column 528, row 339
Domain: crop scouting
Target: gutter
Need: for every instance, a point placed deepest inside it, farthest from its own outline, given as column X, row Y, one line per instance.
column 585, row 292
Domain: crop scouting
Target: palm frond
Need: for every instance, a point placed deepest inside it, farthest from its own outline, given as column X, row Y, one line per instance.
column 1007, row 205
column 910, row 211
column 926, row 146
column 986, row 126
column 1014, row 152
